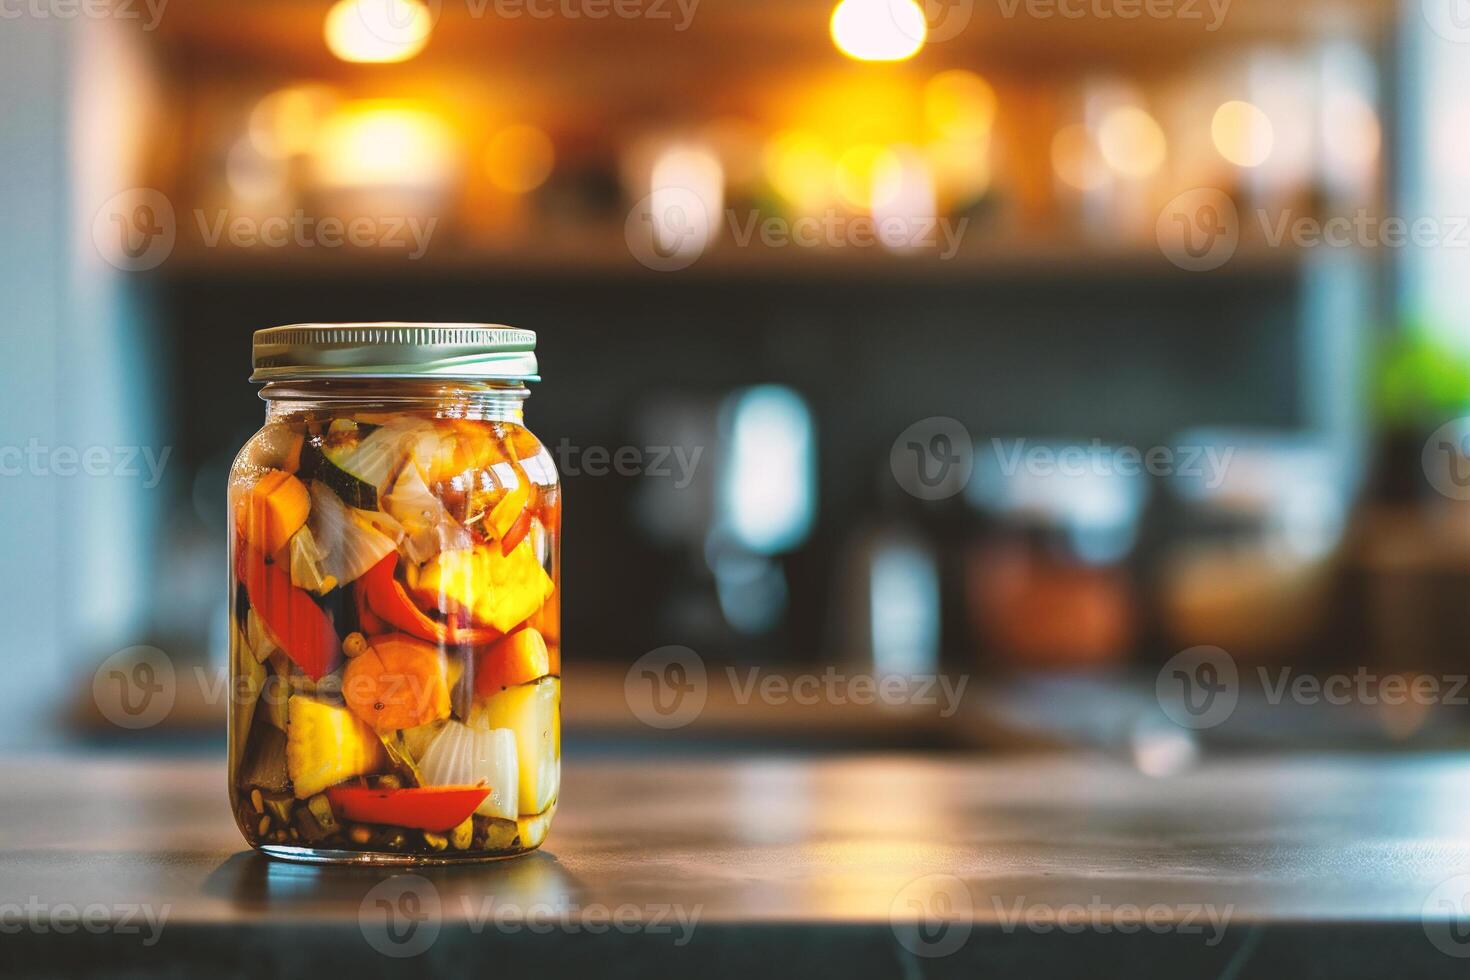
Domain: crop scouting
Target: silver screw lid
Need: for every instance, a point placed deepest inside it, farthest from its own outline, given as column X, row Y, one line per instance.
column 455, row 351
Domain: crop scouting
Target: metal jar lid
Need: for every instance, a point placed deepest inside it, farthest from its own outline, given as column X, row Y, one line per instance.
column 456, row 351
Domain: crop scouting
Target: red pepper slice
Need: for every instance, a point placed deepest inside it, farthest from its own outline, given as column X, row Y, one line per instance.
column 386, row 597
column 516, row 533
column 305, row 632
column 432, row 808
column 369, row 622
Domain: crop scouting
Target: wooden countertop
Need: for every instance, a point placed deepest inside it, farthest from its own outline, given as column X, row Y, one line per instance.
column 845, row 865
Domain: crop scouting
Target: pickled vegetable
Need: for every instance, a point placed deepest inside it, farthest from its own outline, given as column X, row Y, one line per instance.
column 395, row 656
column 398, row 682
column 326, row 744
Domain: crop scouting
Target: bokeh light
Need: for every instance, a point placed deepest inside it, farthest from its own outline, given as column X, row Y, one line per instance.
column 878, row 30
column 865, row 176
column 287, row 122
column 1076, row 158
column 1131, row 141
column 1356, row 134
column 519, row 158
column 904, row 201
column 378, row 31
column 960, row 105
column 384, row 143
column 1242, row 133
column 800, row 167
column 686, row 198
column 253, row 176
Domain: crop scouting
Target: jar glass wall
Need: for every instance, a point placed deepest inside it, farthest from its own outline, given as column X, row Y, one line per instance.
column 395, row 647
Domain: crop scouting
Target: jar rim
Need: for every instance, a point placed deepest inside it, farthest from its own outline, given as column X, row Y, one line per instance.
column 394, row 349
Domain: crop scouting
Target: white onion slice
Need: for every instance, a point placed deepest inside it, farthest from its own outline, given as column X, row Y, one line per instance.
column 348, row 544
column 462, row 756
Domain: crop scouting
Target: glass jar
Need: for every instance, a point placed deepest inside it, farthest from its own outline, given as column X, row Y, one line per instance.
column 395, row 649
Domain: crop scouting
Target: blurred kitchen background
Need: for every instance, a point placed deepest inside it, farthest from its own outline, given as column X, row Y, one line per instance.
column 142, row 143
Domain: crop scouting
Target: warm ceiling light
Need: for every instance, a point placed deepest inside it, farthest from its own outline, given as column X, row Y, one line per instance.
column 878, row 30
column 518, row 159
column 384, row 144
column 1131, row 142
column 1242, row 133
column 378, row 31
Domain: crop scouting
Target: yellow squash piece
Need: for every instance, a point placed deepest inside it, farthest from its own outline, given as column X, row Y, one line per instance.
column 326, row 744
column 502, row 591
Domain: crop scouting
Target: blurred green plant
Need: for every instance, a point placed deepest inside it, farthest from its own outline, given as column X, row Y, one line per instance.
column 1419, row 379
